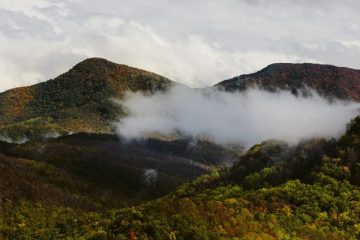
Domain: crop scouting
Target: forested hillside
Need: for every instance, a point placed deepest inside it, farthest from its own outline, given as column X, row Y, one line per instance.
column 275, row 191
column 80, row 100
column 327, row 80
column 99, row 172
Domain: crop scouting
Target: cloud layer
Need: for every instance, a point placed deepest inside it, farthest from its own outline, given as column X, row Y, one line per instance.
column 194, row 42
column 223, row 117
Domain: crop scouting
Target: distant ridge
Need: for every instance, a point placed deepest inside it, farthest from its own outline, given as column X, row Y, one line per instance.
column 329, row 81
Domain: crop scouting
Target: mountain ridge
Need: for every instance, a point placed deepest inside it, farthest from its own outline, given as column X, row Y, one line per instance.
column 327, row 80
column 81, row 99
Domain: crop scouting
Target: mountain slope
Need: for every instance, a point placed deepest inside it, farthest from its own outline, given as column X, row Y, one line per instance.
column 329, row 81
column 80, row 100
column 105, row 171
column 321, row 203
column 39, row 182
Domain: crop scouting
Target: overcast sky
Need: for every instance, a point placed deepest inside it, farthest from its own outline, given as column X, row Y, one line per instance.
column 196, row 42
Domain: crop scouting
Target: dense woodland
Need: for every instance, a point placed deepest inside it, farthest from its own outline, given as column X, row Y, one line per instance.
column 274, row 191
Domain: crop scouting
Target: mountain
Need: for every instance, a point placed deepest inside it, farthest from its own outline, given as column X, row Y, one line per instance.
column 80, row 100
column 329, row 81
column 65, row 126
column 86, row 98
column 66, row 175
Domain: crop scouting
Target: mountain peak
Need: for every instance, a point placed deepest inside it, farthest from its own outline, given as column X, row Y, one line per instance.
column 119, row 77
column 329, row 81
column 80, row 99
column 96, row 63
column 305, row 66
column 94, row 60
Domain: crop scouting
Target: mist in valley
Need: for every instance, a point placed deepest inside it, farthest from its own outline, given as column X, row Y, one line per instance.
column 247, row 117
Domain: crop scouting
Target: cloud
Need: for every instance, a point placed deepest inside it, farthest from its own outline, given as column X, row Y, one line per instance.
column 150, row 176
column 248, row 118
column 196, row 43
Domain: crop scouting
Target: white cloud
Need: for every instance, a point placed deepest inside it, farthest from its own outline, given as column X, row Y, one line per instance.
column 224, row 117
column 351, row 43
column 193, row 42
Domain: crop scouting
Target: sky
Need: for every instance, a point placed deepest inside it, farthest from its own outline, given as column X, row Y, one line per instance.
column 198, row 43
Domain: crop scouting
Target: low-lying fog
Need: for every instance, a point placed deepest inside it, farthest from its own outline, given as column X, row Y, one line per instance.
column 242, row 117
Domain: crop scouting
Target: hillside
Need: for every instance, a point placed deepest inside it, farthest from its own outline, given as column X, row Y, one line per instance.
column 310, row 191
column 98, row 172
column 33, row 181
column 329, row 81
column 80, row 100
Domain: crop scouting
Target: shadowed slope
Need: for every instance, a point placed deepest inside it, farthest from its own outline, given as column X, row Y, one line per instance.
column 105, row 171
